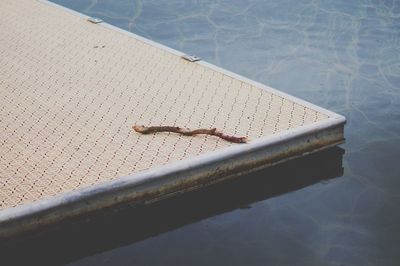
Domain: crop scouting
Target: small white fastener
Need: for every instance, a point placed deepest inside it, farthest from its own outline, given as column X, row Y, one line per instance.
column 191, row 58
column 95, row 20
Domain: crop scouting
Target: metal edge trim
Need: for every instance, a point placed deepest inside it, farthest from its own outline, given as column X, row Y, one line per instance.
column 162, row 171
column 170, row 183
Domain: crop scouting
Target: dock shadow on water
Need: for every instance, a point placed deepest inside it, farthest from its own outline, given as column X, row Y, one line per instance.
column 93, row 234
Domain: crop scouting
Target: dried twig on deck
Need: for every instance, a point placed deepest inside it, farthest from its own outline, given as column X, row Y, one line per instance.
column 187, row 132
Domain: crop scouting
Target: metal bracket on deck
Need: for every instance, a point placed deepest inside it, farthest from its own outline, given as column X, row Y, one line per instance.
column 95, row 20
column 191, row 58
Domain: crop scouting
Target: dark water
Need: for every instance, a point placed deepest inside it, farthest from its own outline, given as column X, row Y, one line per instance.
column 343, row 55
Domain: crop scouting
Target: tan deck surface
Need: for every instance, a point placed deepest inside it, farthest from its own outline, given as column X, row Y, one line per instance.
column 70, row 91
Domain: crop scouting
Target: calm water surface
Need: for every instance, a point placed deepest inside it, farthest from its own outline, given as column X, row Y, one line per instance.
column 343, row 55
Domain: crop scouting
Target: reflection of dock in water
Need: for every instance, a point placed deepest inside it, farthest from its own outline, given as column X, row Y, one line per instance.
column 109, row 230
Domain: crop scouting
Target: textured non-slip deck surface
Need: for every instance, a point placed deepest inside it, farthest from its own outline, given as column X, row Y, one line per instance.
column 70, row 91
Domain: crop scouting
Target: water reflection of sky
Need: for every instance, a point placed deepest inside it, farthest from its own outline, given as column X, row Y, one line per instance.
column 343, row 55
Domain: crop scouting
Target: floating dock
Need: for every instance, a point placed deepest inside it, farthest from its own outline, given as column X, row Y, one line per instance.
column 71, row 87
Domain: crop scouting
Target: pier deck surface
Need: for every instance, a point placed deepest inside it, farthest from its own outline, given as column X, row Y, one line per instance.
column 70, row 91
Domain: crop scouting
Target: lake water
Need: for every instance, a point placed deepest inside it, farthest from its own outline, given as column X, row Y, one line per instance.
column 343, row 55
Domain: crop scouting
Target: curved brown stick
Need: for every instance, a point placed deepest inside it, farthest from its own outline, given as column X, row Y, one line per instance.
column 187, row 132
